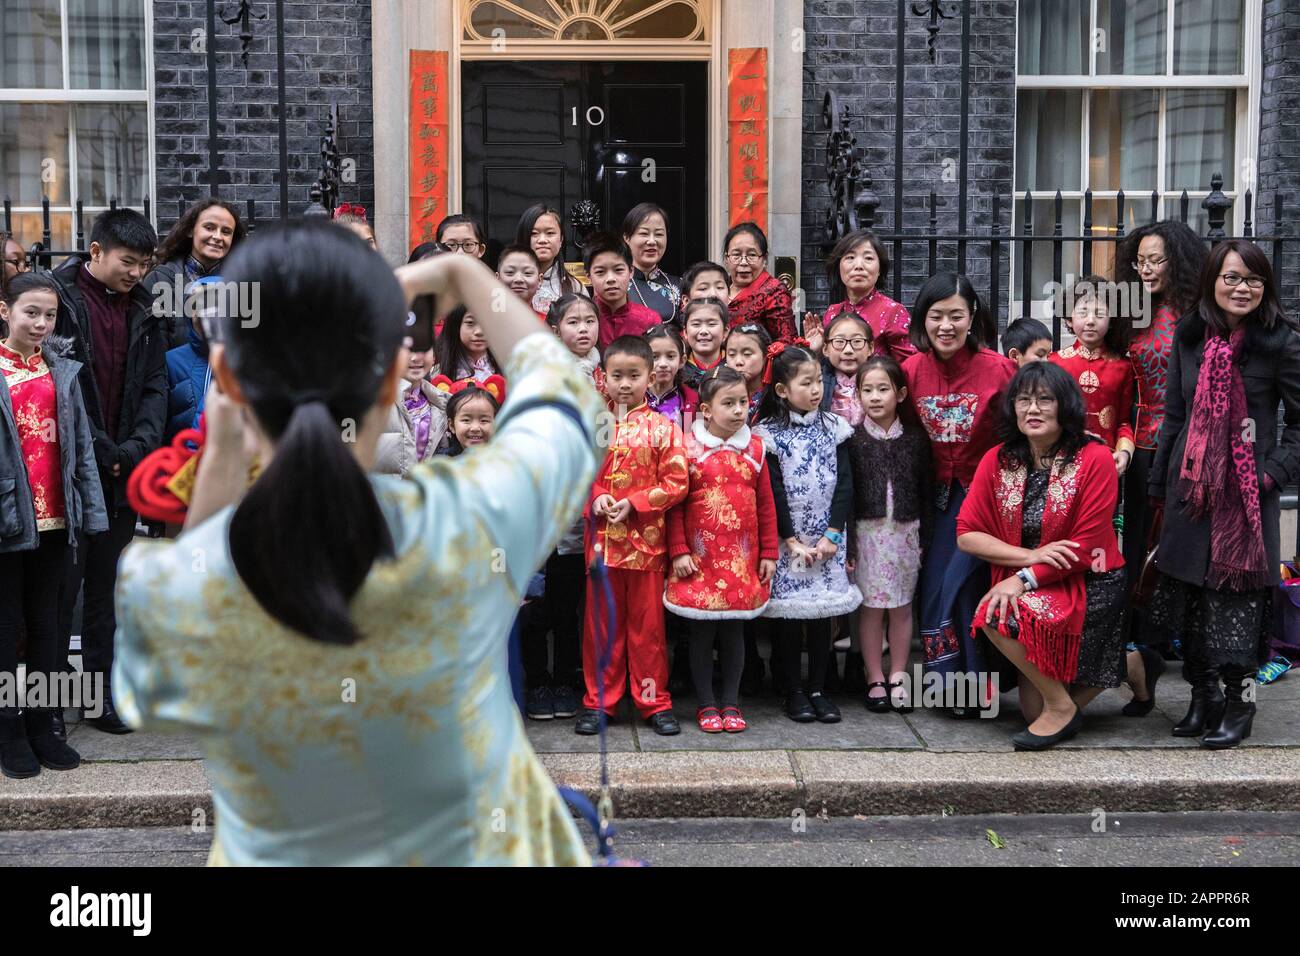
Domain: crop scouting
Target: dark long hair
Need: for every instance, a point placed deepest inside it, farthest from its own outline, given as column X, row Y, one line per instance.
column 24, row 282
column 451, row 353
column 1185, row 251
column 1120, row 326
column 842, row 248
column 1070, row 414
column 940, row 286
column 524, row 237
column 304, row 537
column 180, row 241
column 465, row 395
column 773, row 407
column 1261, row 325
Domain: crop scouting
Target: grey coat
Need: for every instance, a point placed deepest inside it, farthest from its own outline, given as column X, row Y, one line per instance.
column 82, row 495
column 1271, row 376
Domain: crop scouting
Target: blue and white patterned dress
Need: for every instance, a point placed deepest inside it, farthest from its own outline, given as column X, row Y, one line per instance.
column 806, row 448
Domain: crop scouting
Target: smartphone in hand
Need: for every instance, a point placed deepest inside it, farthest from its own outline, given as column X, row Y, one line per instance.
column 420, row 324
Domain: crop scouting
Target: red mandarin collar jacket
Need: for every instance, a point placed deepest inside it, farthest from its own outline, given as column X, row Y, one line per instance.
column 958, row 403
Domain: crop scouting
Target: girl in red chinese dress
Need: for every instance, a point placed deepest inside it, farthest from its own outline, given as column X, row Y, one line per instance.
column 1098, row 363
column 723, row 543
column 50, row 497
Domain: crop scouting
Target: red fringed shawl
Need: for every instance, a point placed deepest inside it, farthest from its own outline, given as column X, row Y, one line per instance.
column 1080, row 505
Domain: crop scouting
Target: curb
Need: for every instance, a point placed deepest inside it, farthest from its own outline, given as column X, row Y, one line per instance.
column 754, row 784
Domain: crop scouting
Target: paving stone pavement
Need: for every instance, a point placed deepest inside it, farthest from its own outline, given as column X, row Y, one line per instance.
column 923, row 762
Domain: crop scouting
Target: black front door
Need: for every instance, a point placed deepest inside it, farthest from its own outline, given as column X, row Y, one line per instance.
column 615, row 133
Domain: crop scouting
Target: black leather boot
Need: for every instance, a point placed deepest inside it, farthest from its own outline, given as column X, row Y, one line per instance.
column 53, row 753
column 16, row 757
column 108, row 721
column 1206, row 707
column 1233, row 728
column 1205, row 712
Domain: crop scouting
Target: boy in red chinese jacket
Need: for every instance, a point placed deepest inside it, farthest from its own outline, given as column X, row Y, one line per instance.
column 1098, row 362
column 644, row 474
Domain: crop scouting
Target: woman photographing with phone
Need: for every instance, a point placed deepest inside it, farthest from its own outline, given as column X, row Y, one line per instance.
column 335, row 638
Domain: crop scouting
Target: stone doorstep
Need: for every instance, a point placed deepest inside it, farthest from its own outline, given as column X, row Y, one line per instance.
column 767, row 784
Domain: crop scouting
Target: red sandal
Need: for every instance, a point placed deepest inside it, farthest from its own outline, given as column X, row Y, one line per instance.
column 709, row 720
column 732, row 721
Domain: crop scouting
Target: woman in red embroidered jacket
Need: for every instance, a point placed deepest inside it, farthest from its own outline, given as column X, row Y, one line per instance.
column 856, row 269
column 723, row 543
column 756, row 295
column 1043, row 502
column 50, row 498
column 1166, row 257
column 955, row 385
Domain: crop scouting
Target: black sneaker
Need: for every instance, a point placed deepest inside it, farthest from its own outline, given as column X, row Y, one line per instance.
column 565, row 700
column 664, row 723
column 539, row 704
column 798, row 708
column 824, row 708
column 588, row 723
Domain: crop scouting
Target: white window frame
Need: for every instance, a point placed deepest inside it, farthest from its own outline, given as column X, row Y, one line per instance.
column 73, row 97
column 1245, row 142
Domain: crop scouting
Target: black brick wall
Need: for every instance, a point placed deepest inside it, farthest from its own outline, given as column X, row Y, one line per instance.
column 1279, row 138
column 851, row 49
column 327, row 56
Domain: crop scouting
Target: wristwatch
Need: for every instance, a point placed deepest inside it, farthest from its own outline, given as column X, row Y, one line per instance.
column 834, row 537
column 1027, row 579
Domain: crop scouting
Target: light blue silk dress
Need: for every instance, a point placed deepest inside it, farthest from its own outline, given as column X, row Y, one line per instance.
column 407, row 747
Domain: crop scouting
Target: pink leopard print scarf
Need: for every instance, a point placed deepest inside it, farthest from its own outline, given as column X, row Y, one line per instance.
column 1218, row 475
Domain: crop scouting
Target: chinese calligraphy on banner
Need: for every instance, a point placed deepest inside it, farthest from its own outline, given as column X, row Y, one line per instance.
column 428, row 137
column 747, row 128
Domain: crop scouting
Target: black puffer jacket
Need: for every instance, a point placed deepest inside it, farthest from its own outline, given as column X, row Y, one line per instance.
column 139, row 430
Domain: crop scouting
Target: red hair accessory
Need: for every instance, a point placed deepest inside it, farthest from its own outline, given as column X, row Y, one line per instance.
column 350, row 209
column 494, row 385
column 775, row 349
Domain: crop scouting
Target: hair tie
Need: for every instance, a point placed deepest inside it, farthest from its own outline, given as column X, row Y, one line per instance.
column 310, row 396
column 350, row 209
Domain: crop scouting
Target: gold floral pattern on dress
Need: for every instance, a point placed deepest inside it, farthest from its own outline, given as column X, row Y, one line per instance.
column 399, row 748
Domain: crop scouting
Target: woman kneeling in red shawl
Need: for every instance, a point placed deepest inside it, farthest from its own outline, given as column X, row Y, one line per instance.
column 1040, row 511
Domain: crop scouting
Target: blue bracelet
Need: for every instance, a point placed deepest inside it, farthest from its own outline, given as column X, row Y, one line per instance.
column 835, row 537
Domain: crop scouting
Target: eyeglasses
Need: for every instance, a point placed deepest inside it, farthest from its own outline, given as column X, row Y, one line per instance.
column 745, row 256
column 839, row 342
column 18, row 264
column 1025, row 402
column 1139, row 263
column 1231, row 279
column 469, row 246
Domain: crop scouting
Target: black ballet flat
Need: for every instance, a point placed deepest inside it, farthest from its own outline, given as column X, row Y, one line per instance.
column 1027, row 740
column 1154, row 666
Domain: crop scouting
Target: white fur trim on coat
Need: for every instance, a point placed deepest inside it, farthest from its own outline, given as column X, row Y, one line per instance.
column 700, row 614
column 805, row 609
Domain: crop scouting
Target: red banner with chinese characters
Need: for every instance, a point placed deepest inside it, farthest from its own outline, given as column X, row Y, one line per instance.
column 747, row 129
column 428, row 137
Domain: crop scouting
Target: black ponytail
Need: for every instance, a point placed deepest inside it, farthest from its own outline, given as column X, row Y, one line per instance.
column 329, row 322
